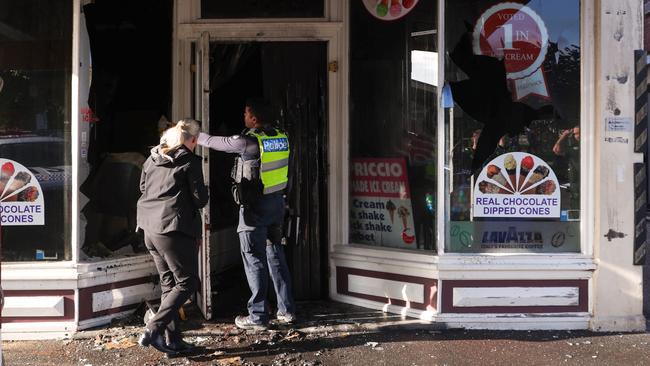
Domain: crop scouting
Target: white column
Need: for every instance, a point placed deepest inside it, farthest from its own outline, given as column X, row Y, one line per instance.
column 617, row 301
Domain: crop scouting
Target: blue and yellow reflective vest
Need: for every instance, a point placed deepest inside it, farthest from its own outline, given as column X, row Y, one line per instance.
column 272, row 167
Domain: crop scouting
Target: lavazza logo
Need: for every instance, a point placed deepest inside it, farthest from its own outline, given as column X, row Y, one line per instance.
column 276, row 145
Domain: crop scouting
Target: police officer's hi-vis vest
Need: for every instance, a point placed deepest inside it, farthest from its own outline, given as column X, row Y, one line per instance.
column 272, row 168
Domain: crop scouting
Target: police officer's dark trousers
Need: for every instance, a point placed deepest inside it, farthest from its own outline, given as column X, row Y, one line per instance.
column 258, row 257
column 176, row 257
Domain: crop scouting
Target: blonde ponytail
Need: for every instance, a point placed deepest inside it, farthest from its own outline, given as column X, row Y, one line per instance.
column 174, row 137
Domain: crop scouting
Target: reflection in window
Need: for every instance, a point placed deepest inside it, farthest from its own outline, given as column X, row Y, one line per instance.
column 514, row 75
column 35, row 79
column 393, row 83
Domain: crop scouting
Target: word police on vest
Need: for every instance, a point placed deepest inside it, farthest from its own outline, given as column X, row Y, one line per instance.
column 275, row 145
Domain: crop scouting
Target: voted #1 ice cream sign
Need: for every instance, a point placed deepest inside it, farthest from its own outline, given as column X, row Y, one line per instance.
column 517, row 185
column 380, row 207
column 21, row 196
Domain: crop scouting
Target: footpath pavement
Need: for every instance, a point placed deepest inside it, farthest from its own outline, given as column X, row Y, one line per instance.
column 330, row 333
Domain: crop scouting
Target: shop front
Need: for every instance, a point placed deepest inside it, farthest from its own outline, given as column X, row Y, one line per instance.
column 470, row 164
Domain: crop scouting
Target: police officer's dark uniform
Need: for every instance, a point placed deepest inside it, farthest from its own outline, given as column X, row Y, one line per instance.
column 260, row 175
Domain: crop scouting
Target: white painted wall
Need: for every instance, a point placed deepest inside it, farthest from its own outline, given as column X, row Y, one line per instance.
column 617, row 298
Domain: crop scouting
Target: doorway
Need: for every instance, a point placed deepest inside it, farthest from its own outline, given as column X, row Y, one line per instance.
column 293, row 77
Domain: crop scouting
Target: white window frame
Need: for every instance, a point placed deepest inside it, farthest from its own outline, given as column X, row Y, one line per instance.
column 475, row 265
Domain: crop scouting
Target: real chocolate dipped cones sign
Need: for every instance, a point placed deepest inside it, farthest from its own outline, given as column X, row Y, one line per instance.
column 21, row 196
column 516, row 185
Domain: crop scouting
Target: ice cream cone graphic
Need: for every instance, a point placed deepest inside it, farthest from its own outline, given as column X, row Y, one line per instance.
column 390, row 206
column 490, row 188
column 6, row 172
column 511, row 168
column 19, row 181
column 539, row 173
column 546, row 188
column 382, row 8
column 29, row 194
column 525, row 167
column 494, row 173
column 395, row 8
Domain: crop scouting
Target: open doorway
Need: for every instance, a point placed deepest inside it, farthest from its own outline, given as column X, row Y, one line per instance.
column 293, row 77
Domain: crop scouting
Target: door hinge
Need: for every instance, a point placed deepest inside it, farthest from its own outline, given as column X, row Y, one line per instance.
column 333, row 66
column 193, row 68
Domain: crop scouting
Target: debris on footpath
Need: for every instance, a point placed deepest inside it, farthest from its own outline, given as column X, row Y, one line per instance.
column 231, row 361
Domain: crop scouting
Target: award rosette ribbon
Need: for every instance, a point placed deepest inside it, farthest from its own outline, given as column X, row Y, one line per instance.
column 517, row 34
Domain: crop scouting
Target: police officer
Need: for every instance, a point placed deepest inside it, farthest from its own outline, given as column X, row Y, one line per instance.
column 260, row 175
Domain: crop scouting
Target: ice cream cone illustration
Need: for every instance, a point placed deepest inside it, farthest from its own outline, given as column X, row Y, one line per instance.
column 539, row 173
column 395, row 8
column 407, row 4
column 29, row 194
column 525, row 167
column 404, row 213
column 19, row 181
column 546, row 188
column 490, row 188
column 494, row 173
column 382, row 8
column 6, row 172
column 390, row 206
column 511, row 168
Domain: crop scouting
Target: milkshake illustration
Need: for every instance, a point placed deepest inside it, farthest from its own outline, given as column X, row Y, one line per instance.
column 20, row 180
column 494, row 173
column 525, row 167
column 511, row 168
column 6, row 172
column 404, row 213
column 390, row 206
column 539, row 173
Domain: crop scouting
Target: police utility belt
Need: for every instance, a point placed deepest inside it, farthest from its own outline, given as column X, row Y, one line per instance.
column 266, row 175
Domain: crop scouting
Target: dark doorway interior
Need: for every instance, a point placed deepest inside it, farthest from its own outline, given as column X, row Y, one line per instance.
column 292, row 76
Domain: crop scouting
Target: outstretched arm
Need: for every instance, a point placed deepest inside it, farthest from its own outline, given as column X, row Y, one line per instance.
column 230, row 144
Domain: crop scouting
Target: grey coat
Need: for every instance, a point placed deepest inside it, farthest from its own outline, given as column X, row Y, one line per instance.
column 173, row 193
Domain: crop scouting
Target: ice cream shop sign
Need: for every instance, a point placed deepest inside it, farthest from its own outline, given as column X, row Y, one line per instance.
column 517, row 185
column 21, row 196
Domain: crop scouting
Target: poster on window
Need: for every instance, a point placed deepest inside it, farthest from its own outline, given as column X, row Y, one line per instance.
column 516, row 185
column 516, row 34
column 21, row 196
column 380, row 207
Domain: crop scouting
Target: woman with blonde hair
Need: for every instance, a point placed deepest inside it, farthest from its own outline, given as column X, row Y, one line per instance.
column 173, row 192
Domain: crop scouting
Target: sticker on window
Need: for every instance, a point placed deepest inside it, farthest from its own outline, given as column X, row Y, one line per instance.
column 21, row 196
column 517, row 185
